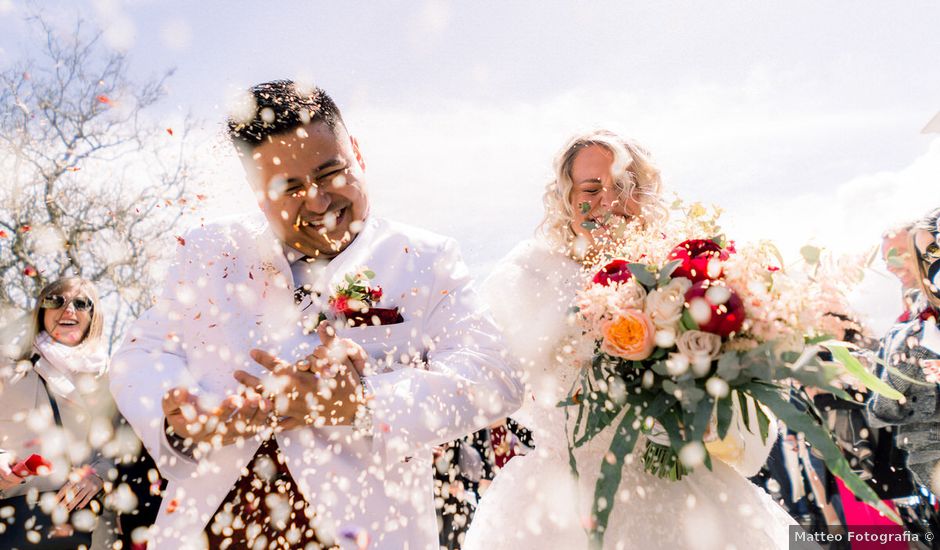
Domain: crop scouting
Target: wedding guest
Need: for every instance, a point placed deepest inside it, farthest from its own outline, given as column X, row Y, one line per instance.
column 912, row 349
column 898, row 257
column 461, row 469
column 55, row 415
column 296, row 371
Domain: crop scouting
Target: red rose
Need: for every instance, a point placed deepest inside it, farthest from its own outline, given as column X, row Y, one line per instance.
column 375, row 294
column 340, row 304
column 715, row 307
column 695, row 255
column 614, row 272
column 375, row 316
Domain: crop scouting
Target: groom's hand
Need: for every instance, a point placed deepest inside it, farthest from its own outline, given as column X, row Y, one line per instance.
column 325, row 384
column 236, row 417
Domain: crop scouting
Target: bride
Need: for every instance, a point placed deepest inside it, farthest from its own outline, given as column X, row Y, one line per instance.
column 536, row 502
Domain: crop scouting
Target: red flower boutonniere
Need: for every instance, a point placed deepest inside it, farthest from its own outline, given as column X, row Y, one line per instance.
column 355, row 301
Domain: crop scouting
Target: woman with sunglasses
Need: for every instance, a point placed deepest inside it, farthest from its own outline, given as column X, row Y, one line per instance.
column 54, row 403
column 911, row 350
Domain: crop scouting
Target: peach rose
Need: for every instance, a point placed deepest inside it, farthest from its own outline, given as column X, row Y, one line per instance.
column 630, row 336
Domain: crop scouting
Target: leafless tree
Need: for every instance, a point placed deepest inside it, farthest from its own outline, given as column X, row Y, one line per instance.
column 92, row 185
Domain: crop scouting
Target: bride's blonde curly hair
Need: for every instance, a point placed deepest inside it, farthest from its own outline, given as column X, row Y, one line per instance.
column 633, row 170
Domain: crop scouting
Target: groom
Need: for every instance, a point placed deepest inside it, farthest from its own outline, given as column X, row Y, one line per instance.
column 294, row 374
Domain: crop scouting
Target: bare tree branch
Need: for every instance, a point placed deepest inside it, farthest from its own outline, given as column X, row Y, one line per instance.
column 93, row 182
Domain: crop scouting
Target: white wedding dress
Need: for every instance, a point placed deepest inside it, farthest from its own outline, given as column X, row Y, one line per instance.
column 535, row 502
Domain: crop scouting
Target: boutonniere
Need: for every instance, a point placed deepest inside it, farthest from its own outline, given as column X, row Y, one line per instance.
column 355, row 301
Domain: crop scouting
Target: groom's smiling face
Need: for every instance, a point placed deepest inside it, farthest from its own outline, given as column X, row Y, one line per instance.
column 310, row 183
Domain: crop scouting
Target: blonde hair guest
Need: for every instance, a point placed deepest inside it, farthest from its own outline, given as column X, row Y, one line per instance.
column 42, row 319
column 55, row 402
column 600, row 179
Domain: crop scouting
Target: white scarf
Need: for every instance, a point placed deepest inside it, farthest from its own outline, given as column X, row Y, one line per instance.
column 62, row 365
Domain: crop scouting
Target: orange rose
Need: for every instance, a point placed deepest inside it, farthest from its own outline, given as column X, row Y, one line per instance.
column 630, row 336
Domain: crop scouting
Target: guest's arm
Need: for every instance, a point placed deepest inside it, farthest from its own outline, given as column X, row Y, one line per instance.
column 905, row 353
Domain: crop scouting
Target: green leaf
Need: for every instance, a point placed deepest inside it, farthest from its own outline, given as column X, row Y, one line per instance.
column 811, row 254
column 369, row 274
column 670, row 422
column 687, row 322
column 642, row 274
column 660, row 368
column 703, row 414
column 856, row 369
column 742, row 402
column 608, row 482
column 665, row 274
column 572, row 461
column 729, row 366
column 659, row 405
column 819, row 438
column 763, row 422
column 724, row 412
column 819, row 339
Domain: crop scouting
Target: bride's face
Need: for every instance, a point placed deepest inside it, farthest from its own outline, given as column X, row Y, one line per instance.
column 598, row 200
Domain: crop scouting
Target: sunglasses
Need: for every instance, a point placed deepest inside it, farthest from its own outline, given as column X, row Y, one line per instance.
column 57, row 301
column 929, row 259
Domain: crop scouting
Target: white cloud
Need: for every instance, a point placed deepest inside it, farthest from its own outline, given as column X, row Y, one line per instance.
column 177, row 34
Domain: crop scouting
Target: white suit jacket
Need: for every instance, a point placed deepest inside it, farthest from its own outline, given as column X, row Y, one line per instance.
column 441, row 374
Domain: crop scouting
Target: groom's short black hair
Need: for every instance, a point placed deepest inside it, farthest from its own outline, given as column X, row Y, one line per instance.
column 279, row 106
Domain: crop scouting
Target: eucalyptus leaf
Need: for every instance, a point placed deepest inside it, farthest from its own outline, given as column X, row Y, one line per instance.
column 729, row 366
column 642, row 274
column 665, row 274
column 811, row 254
column 660, row 368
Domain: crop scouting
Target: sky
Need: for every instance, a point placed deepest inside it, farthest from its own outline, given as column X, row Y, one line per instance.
column 801, row 119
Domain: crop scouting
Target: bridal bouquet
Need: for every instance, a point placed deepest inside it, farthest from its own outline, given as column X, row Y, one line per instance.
column 685, row 328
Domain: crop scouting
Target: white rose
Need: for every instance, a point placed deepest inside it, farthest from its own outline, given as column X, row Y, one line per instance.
column 701, row 348
column 664, row 305
column 631, row 295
